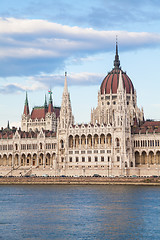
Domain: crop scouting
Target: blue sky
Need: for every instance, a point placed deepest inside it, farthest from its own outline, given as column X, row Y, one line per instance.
column 40, row 40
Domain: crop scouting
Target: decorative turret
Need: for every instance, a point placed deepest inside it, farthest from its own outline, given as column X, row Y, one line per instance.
column 120, row 83
column 8, row 127
column 45, row 103
column 26, row 106
column 50, row 105
column 66, row 117
column 116, row 61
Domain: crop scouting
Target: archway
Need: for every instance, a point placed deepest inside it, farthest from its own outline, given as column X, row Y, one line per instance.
column 28, row 162
column 144, row 158
column 96, row 140
column 10, row 160
column 34, row 159
column 151, row 158
column 89, row 141
column 83, row 140
column 70, row 141
column 77, row 141
column 48, row 158
column 16, row 160
column 137, row 159
column 158, row 157
column 41, row 159
column 23, row 158
column 102, row 140
column 5, row 162
column 109, row 140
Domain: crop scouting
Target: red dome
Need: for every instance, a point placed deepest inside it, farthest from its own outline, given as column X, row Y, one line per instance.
column 110, row 82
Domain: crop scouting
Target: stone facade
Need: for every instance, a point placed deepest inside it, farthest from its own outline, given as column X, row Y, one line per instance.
column 117, row 141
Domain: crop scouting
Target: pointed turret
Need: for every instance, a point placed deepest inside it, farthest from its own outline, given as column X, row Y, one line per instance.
column 45, row 102
column 120, row 84
column 65, row 84
column 50, row 105
column 8, row 127
column 26, row 106
column 66, row 117
column 116, row 61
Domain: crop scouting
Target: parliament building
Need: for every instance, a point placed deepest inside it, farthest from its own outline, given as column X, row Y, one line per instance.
column 117, row 141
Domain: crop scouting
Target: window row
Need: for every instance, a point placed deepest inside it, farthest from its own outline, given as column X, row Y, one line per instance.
column 6, row 147
column 87, row 159
column 146, row 143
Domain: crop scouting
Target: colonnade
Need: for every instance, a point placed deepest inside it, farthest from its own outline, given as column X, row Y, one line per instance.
column 147, row 158
column 90, row 141
column 29, row 159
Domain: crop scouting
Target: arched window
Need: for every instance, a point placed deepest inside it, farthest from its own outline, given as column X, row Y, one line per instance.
column 70, row 141
column 102, row 159
column 16, row 146
column 117, row 142
column 62, row 144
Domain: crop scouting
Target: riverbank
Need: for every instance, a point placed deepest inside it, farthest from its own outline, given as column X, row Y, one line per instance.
column 80, row 181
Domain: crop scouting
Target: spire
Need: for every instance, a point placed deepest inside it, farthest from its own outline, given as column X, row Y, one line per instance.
column 8, row 127
column 116, row 61
column 65, row 84
column 26, row 107
column 66, row 117
column 120, row 84
column 50, row 105
column 45, row 102
column 26, row 101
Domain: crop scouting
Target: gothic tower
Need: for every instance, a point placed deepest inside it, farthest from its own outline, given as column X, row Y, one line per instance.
column 66, row 117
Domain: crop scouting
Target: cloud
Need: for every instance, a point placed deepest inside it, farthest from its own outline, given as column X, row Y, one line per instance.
column 113, row 14
column 101, row 14
column 83, row 78
column 44, row 81
column 30, row 47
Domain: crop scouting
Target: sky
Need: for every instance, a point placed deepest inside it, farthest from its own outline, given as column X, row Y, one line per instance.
column 41, row 40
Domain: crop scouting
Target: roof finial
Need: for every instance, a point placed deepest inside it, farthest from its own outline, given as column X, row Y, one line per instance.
column 50, row 96
column 8, row 127
column 45, row 102
column 65, row 83
column 26, row 106
column 26, row 101
column 116, row 61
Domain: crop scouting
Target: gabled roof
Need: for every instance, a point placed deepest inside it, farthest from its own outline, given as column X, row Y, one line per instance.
column 147, row 127
column 38, row 112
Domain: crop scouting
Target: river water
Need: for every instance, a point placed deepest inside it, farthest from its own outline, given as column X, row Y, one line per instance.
column 79, row 212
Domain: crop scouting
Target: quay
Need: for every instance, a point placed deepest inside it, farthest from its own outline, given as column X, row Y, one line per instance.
column 80, row 181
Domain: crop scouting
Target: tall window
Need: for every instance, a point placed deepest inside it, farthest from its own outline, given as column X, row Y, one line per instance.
column 102, row 159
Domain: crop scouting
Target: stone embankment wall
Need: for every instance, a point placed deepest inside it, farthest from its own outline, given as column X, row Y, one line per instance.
column 80, row 180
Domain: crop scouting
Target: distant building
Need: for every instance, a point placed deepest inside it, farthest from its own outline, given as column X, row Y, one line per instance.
column 117, row 141
column 43, row 117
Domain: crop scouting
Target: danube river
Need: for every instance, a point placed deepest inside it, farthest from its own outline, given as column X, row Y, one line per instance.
column 79, row 212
